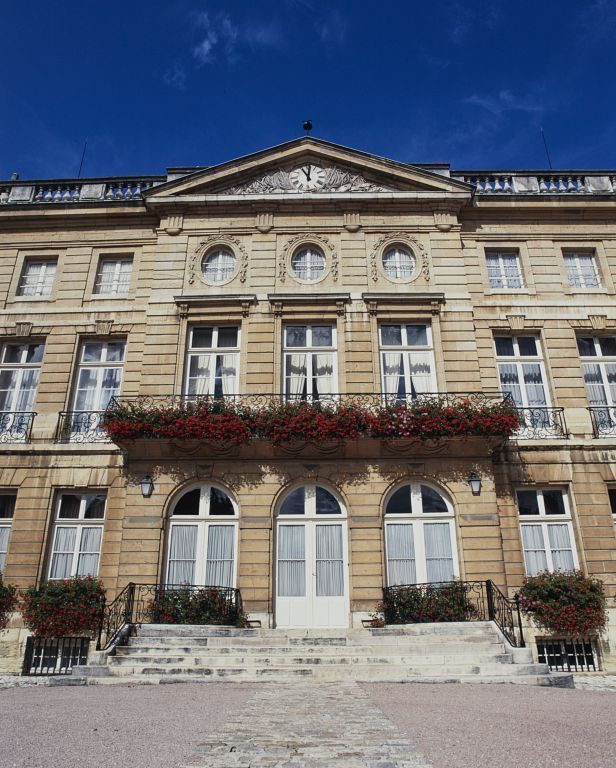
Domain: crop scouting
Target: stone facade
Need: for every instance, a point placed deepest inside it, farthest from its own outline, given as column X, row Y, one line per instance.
column 355, row 212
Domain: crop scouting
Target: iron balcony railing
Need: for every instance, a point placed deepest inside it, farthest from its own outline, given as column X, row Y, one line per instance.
column 603, row 419
column 16, row 426
column 448, row 601
column 80, row 427
column 540, row 423
column 144, row 604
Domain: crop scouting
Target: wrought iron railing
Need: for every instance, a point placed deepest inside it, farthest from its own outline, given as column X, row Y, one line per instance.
column 153, row 604
column 80, row 427
column 539, row 423
column 363, row 399
column 16, row 426
column 54, row 656
column 603, row 419
column 448, row 601
column 569, row 654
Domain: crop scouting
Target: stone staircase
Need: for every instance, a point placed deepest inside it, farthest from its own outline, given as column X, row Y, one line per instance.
column 452, row 652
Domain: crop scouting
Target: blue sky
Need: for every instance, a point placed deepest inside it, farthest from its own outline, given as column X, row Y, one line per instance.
column 198, row 82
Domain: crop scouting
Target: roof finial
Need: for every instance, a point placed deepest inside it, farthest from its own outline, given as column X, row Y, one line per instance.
column 307, row 126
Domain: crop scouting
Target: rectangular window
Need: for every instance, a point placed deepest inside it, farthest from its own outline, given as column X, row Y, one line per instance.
column 522, row 375
column 612, row 495
column 504, row 270
column 20, row 366
column 77, row 535
column 7, row 509
column 37, row 277
column 582, row 271
column 212, row 362
column 99, row 378
column 547, row 533
column 407, row 361
column 113, row 276
column 598, row 359
column 309, row 362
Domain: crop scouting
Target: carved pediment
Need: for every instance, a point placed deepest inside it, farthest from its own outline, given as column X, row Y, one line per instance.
column 336, row 179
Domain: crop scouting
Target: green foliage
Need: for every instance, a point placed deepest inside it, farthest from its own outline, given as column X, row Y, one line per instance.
column 423, row 603
column 64, row 608
column 566, row 603
column 8, row 601
column 187, row 605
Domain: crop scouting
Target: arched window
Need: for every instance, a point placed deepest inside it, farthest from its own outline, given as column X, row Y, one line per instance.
column 308, row 264
column 202, row 538
column 419, row 536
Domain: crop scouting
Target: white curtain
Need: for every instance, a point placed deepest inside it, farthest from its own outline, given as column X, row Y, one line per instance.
column 560, row 545
column 182, row 554
column 323, row 374
column 8, row 385
column 89, row 551
column 588, row 272
column 329, row 561
column 85, row 397
column 62, row 556
column 5, row 531
column 295, row 375
column 199, row 372
column 392, row 371
column 291, row 561
column 400, row 544
column 220, row 554
column 421, row 372
column 594, row 384
column 534, row 549
column 229, row 373
column 27, row 391
column 439, row 559
column 510, row 382
column 511, row 269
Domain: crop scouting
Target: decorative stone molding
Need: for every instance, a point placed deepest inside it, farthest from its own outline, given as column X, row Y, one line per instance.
column 316, row 303
column 23, row 329
column 412, row 304
column 444, row 220
column 173, row 225
column 516, row 322
column 233, row 243
column 598, row 322
column 422, row 266
column 103, row 327
column 264, row 222
column 289, row 248
column 351, row 221
column 278, row 180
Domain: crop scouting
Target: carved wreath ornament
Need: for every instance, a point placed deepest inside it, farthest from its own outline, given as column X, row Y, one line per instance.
column 293, row 244
column 404, row 238
column 233, row 243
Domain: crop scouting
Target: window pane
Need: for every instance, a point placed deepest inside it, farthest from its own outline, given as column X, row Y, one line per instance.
column 182, row 554
column 527, row 346
column 92, row 352
column 391, row 335
column 432, row 502
column 329, row 561
column 326, row 503
column 295, row 335
column 504, row 346
column 608, row 345
column 115, row 351
column 95, row 507
column 586, row 346
column 527, row 502
column 220, row 555
column 188, row 503
column 202, row 338
column 560, row 545
column 400, row 546
column 308, row 264
column 89, row 550
column 294, row 503
column 439, row 558
column 534, row 549
column 612, row 495
column 7, row 505
column 322, row 336
column 220, row 503
column 400, row 502
column 227, row 337
column 69, row 506
column 291, row 561
column 417, row 335
column 62, row 555
column 554, row 503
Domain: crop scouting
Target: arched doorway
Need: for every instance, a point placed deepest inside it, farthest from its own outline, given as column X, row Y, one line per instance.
column 202, row 538
column 312, row 582
column 420, row 541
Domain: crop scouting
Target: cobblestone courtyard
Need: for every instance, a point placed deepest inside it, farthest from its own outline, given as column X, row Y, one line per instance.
column 348, row 725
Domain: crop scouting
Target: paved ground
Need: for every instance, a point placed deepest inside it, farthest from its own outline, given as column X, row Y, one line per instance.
column 211, row 725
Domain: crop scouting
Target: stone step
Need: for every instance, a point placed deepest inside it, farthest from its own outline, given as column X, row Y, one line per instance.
column 377, row 670
column 215, row 660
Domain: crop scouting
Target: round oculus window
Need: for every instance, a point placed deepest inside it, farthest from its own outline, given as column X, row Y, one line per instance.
column 398, row 263
column 218, row 265
column 308, row 264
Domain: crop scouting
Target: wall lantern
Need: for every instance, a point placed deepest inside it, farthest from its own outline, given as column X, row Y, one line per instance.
column 474, row 481
column 147, row 486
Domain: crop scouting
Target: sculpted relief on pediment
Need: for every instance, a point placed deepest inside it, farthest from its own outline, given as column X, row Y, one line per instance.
column 330, row 179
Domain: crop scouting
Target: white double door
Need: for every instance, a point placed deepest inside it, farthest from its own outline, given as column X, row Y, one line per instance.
column 312, row 583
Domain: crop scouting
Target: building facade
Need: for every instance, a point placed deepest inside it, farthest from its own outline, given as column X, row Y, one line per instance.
column 308, row 272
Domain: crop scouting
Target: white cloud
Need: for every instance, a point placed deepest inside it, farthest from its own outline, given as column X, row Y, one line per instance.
column 505, row 101
column 175, row 77
column 222, row 38
column 333, row 29
column 204, row 51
